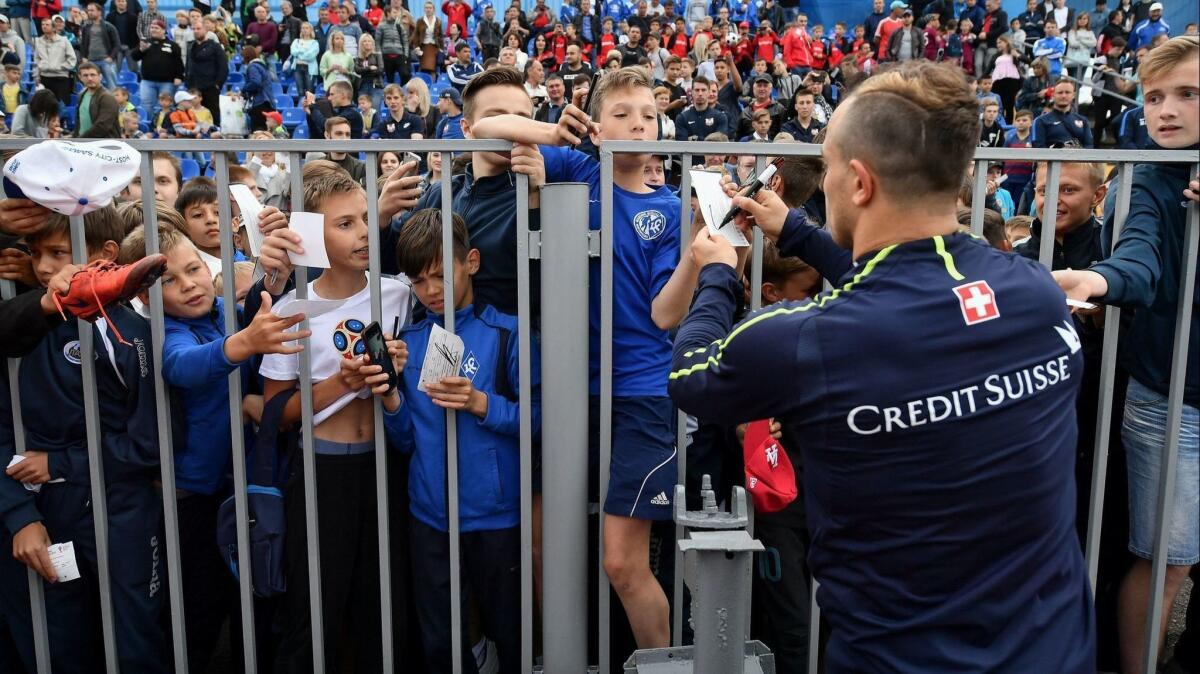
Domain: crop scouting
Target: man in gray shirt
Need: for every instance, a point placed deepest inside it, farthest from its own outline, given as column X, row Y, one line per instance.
column 99, row 43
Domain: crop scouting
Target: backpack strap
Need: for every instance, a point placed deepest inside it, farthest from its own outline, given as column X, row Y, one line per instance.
column 266, row 446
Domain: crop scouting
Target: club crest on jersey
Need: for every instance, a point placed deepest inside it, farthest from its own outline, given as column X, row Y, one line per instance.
column 1079, row 123
column 470, row 366
column 977, row 302
column 649, row 224
column 72, row 352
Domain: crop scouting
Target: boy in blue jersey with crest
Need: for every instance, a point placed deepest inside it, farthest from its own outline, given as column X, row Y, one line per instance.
column 652, row 286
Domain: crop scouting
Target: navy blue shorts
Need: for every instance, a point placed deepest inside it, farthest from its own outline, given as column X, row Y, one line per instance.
column 642, row 469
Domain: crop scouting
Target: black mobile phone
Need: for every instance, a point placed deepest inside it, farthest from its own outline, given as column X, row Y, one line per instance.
column 377, row 349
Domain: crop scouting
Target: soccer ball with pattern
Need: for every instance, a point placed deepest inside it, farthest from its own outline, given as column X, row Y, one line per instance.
column 347, row 338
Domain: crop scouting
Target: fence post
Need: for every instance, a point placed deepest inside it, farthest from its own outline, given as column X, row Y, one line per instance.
column 564, row 265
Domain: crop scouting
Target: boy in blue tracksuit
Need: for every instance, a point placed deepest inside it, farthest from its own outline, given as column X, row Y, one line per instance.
column 197, row 359
column 50, row 382
column 652, row 287
column 488, row 449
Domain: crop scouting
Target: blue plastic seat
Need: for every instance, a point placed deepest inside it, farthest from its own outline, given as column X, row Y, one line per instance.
column 235, row 78
column 275, row 88
column 300, row 132
column 292, row 116
column 190, row 168
column 424, row 76
column 283, row 101
column 126, row 78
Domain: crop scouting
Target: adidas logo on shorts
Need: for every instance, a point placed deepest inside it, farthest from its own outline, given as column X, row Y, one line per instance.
column 661, row 499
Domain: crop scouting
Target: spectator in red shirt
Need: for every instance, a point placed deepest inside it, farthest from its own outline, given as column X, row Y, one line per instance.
column 934, row 44
column 266, row 30
column 456, row 15
column 888, row 26
column 797, row 47
column 764, row 42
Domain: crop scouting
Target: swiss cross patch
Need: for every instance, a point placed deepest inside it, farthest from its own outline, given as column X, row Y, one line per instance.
column 977, row 302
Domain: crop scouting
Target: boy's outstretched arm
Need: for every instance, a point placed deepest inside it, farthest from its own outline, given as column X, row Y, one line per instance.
column 573, row 126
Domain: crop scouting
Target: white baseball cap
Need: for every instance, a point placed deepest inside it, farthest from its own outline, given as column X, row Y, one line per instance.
column 183, row 95
column 1156, row 5
column 3, row 19
column 70, row 177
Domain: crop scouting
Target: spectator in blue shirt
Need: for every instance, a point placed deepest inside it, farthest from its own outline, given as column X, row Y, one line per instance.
column 1061, row 126
column 462, row 69
column 450, row 105
column 1052, row 48
column 1145, row 31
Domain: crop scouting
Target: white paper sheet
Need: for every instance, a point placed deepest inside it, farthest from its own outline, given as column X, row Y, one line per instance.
column 311, row 228
column 250, row 209
column 714, row 205
column 18, row 458
column 442, row 357
column 1079, row 304
column 310, row 308
column 62, row 556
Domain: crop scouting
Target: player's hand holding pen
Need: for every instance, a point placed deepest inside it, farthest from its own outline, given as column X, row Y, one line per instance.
column 765, row 211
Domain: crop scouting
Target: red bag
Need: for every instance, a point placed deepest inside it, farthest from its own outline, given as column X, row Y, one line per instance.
column 770, row 478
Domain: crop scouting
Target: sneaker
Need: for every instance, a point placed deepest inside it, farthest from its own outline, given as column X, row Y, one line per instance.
column 102, row 283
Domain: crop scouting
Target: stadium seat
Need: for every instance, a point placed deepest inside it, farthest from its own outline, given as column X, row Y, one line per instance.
column 190, row 168
column 292, row 116
column 68, row 117
column 235, row 78
column 300, row 132
column 275, row 88
column 438, row 87
column 424, row 76
column 127, row 79
column 283, row 101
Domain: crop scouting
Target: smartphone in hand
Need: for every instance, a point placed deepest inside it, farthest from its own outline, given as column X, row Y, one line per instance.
column 377, row 349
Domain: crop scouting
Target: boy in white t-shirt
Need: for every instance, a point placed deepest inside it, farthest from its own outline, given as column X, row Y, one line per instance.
column 343, row 436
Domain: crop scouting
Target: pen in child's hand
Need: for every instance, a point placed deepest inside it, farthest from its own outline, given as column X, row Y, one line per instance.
column 396, row 327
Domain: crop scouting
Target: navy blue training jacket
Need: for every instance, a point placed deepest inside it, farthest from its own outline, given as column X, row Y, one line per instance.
column 938, row 435
column 1143, row 273
column 51, row 394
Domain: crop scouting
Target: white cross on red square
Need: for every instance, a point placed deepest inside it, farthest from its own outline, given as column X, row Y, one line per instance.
column 977, row 302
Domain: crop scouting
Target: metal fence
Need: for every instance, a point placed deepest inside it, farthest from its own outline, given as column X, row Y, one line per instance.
column 564, row 250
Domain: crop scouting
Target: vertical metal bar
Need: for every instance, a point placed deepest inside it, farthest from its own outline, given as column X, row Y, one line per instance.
column 565, row 394
column 814, row 631
column 1170, row 456
column 606, row 363
column 1049, row 215
column 316, row 620
column 381, row 474
column 91, row 414
column 979, row 197
column 456, row 635
column 240, row 500
column 525, row 413
column 756, row 281
column 685, row 220
column 166, row 451
column 1108, row 372
column 37, row 597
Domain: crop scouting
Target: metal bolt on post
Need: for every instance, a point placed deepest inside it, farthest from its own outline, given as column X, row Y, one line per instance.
column 717, row 555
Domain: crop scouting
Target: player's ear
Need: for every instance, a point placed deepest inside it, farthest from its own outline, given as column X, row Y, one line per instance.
column 473, row 261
